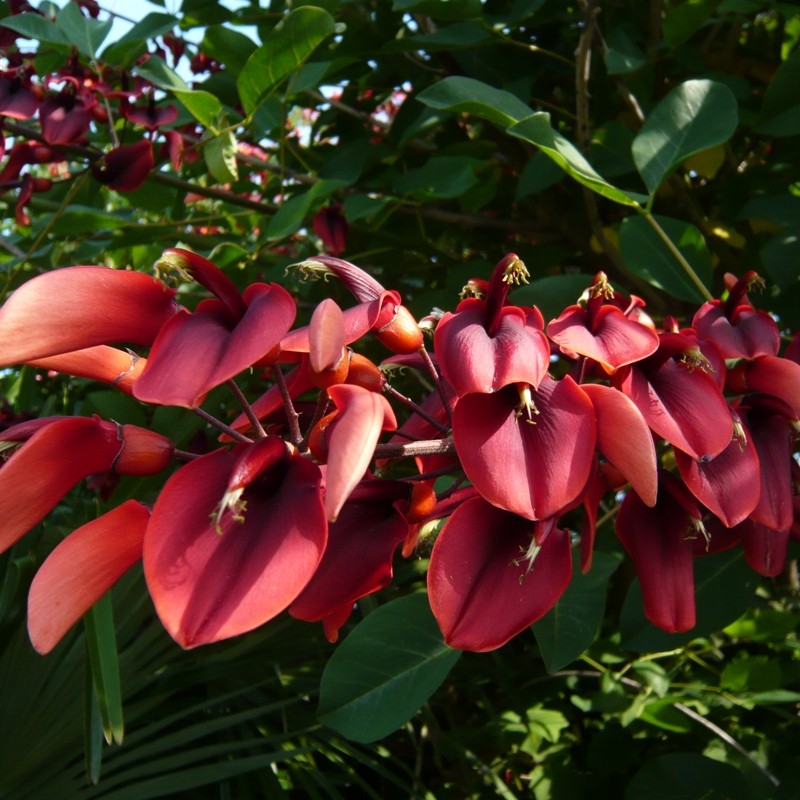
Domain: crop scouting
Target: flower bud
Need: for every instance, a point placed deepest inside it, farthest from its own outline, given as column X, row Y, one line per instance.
column 143, row 452
column 401, row 334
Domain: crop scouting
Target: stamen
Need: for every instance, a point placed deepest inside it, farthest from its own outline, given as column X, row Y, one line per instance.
column 601, row 288
column 516, row 272
column 526, row 405
column 472, row 289
column 694, row 359
column 311, row 270
column 231, row 501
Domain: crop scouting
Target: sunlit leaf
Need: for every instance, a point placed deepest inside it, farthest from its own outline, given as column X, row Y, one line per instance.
column 694, row 116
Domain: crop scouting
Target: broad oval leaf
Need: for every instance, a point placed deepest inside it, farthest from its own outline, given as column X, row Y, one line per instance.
column 646, row 254
column 390, row 664
column 537, row 130
column 286, row 47
column 780, row 113
column 694, row 116
column 457, row 93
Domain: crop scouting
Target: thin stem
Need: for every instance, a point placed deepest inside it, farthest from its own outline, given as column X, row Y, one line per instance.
column 248, row 409
column 424, row 476
column 292, row 417
column 220, row 425
column 685, row 265
column 438, row 383
column 323, row 401
column 429, row 447
column 184, row 455
column 417, row 409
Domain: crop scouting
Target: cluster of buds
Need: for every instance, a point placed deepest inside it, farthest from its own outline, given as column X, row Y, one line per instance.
column 688, row 433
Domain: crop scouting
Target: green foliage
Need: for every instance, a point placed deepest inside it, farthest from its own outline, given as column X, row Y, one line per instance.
column 449, row 133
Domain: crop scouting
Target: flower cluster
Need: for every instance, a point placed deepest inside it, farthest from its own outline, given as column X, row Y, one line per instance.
column 303, row 508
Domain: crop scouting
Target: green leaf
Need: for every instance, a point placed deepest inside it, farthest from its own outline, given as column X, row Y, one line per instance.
column 724, row 586
column 537, row 130
column 571, row 626
column 441, row 176
column 694, row 116
column 553, row 293
column 538, row 174
column 36, row 27
column 622, row 55
column 684, row 18
column 284, row 49
column 85, row 33
column 751, row 673
column 645, row 253
column 220, row 156
column 203, row 106
column 116, row 406
column 686, row 776
column 291, row 215
column 228, row 46
column 156, row 71
column 441, row 9
column 450, row 37
column 662, row 714
column 101, row 643
column 763, row 625
column 780, row 112
column 467, row 95
column 390, row 664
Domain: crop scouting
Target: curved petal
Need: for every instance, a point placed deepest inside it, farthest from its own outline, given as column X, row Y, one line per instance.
column 483, row 585
column 196, row 352
column 748, row 334
column 100, row 363
column 682, row 405
column 624, row 438
column 779, row 377
column 77, row 307
column 657, row 539
column 613, row 342
column 730, row 484
column 531, row 465
column 357, row 562
column 354, row 434
column 210, row 581
column 764, row 549
column 773, row 441
column 81, row 570
column 472, row 360
column 47, row 466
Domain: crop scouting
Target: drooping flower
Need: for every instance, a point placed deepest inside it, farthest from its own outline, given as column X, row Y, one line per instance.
column 486, row 344
column 527, row 451
column 126, row 167
column 493, row 573
column 234, row 538
column 196, row 351
column 57, row 453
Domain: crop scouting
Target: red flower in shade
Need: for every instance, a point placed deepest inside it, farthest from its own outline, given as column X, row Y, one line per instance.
column 57, row 453
column 78, row 307
column 125, row 168
column 544, row 439
column 660, row 540
column 358, row 557
column 194, row 352
column 331, row 227
column 81, row 569
column 17, row 101
column 678, row 398
column 234, row 538
column 735, row 327
column 486, row 344
column 493, row 573
column 65, row 117
column 149, row 116
column 601, row 331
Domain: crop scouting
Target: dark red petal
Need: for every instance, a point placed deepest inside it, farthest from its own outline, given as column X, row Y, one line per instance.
column 730, row 484
column 531, row 468
column 779, row 377
column 196, row 352
column 99, row 363
column 613, row 342
column 473, row 361
column 47, row 466
column 81, row 570
column 77, row 307
column 483, row 589
column 357, row 560
column 211, row 582
column 682, row 405
column 764, row 549
column 624, row 438
column 658, row 540
column 125, row 168
column 749, row 333
column 773, row 441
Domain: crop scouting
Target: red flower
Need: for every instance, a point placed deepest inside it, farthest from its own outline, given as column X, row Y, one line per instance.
column 125, row 168
column 234, row 538
column 194, row 352
column 493, row 573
